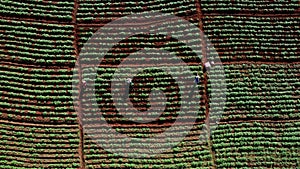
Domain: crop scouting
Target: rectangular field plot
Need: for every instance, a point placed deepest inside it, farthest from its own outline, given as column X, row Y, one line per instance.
column 257, row 145
column 261, row 92
column 37, row 43
column 38, row 9
column 39, row 95
column 250, row 6
column 190, row 153
column 100, row 11
column 270, row 39
column 38, row 146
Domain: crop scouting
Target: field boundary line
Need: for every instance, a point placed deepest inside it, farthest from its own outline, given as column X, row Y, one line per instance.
column 264, row 121
column 79, row 114
column 27, row 19
column 38, row 125
column 257, row 63
column 33, row 65
column 254, row 15
column 205, row 82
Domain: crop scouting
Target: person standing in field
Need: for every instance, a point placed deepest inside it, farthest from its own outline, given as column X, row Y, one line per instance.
column 129, row 85
column 82, row 88
column 84, row 84
column 197, row 78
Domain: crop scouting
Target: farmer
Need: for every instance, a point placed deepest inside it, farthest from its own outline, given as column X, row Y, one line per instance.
column 129, row 85
column 84, row 84
column 197, row 79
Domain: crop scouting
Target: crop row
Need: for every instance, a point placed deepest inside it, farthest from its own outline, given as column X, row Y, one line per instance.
column 261, row 91
column 49, row 10
column 257, row 144
column 254, row 38
column 37, row 147
column 96, row 11
column 229, row 7
column 30, row 42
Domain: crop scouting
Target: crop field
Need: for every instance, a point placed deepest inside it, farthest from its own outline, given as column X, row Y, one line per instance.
column 47, row 119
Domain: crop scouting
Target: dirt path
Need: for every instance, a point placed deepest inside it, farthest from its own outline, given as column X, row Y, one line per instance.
column 205, row 94
column 79, row 114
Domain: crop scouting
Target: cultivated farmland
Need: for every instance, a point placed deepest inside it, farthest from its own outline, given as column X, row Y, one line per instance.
column 42, row 125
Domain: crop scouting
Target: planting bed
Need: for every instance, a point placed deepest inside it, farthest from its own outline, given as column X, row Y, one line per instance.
column 257, row 144
column 252, row 7
column 26, row 145
column 51, row 11
column 102, row 12
column 244, row 38
column 262, row 92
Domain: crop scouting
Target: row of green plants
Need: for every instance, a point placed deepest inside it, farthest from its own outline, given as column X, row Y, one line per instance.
column 25, row 40
column 46, row 53
column 22, row 73
column 222, row 6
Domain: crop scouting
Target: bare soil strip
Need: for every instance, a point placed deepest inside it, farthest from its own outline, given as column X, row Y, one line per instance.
column 79, row 114
column 205, row 82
